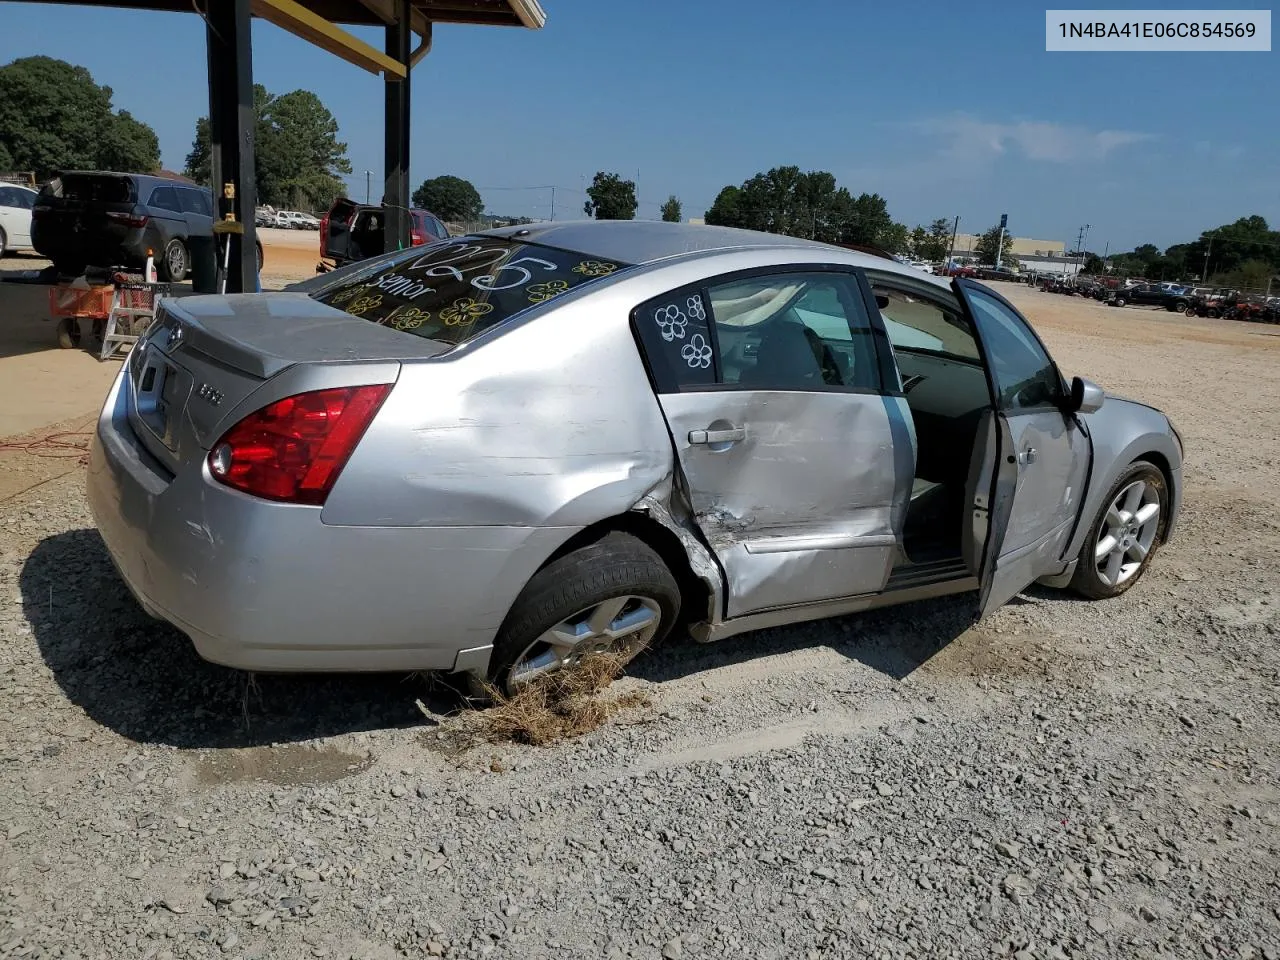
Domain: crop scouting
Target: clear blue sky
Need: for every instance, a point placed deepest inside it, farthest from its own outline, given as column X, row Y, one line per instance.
column 944, row 108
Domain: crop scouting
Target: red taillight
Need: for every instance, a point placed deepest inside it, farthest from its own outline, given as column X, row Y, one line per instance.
column 294, row 449
column 128, row 219
column 416, row 238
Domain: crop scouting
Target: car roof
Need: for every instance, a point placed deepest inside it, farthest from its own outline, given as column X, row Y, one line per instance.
column 641, row 242
column 140, row 178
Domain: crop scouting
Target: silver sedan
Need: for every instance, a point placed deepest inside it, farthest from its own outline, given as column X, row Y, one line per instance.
column 500, row 453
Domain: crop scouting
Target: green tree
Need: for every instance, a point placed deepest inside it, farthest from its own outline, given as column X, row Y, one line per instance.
column 933, row 244
column 894, row 239
column 54, row 117
column 1093, row 264
column 987, row 244
column 298, row 159
column 726, row 210
column 450, row 198
column 789, row 201
column 671, row 209
column 611, row 198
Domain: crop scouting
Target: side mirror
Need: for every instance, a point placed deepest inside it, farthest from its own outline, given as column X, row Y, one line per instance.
column 1086, row 396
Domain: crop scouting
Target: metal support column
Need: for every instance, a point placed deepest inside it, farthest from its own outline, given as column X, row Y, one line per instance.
column 231, row 133
column 396, row 132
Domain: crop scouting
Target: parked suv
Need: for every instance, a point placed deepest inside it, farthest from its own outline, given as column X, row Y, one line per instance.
column 352, row 231
column 1152, row 294
column 92, row 218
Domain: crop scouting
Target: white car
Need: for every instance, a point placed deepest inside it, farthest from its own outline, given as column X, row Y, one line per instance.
column 296, row 220
column 15, row 217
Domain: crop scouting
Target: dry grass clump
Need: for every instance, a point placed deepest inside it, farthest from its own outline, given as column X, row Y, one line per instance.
column 565, row 704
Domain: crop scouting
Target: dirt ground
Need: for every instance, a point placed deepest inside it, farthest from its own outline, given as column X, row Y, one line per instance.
column 1065, row 779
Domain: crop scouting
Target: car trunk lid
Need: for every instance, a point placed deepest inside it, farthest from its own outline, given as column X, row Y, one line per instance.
column 205, row 356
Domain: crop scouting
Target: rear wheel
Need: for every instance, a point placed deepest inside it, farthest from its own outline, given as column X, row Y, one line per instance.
column 614, row 597
column 1119, row 301
column 1125, row 535
column 4, row 243
column 174, row 262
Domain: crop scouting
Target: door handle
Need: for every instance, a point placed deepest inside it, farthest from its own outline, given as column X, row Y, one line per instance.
column 1027, row 456
column 731, row 435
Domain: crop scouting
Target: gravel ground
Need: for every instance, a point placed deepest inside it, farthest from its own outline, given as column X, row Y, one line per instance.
column 1066, row 779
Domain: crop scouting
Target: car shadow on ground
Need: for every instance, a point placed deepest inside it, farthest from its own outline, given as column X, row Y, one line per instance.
column 895, row 641
column 142, row 678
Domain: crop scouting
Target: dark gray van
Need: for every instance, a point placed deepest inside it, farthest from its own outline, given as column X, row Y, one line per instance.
column 101, row 219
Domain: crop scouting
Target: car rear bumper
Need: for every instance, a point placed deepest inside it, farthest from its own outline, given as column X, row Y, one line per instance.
column 267, row 586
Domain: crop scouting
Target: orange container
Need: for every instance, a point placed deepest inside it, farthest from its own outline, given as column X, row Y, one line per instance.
column 68, row 301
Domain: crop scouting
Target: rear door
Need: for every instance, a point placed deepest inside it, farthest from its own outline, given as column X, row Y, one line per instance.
column 88, row 213
column 1039, row 455
column 167, row 218
column 793, row 440
column 337, row 240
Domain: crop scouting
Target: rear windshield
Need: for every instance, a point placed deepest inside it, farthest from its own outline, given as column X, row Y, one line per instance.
column 71, row 186
column 452, row 291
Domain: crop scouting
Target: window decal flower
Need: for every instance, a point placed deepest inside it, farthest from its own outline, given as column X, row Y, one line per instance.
column 409, row 318
column 595, row 268
column 697, row 352
column 464, row 312
column 345, row 295
column 539, row 292
column 696, row 309
column 671, row 322
column 364, row 304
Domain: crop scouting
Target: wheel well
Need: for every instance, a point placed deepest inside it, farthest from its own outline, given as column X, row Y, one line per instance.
column 694, row 596
column 1161, row 463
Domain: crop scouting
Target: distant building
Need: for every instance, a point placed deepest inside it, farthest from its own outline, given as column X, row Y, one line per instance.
column 697, row 221
column 966, row 243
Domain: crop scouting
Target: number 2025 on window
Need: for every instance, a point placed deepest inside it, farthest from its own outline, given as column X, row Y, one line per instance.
column 1154, row 31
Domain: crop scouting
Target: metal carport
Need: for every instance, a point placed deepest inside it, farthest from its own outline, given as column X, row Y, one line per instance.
column 231, row 123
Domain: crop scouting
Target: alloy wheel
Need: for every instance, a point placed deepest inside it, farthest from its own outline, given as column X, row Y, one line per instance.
column 175, row 259
column 1128, row 532
column 619, row 626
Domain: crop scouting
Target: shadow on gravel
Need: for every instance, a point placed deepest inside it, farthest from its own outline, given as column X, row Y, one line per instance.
column 894, row 641
column 143, row 679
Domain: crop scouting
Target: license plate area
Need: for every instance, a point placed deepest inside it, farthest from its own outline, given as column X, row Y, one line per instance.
column 159, row 395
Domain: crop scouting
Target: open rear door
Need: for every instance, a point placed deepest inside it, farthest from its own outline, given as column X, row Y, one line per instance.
column 1030, row 472
column 336, row 242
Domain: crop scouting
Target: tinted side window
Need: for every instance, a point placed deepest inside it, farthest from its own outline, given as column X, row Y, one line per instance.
column 8, row 197
column 195, row 201
column 794, row 331
column 676, row 337
column 1025, row 376
column 164, row 198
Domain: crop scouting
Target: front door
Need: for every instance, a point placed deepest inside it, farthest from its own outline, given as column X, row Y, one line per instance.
column 797, row 465
column 1042, row 453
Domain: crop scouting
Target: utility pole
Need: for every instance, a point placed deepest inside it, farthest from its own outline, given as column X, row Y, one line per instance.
column 367, row 175
column 1105, row 256
column 955, row 231
column 1207, row 249
column 553, row 203
column 1004, row 219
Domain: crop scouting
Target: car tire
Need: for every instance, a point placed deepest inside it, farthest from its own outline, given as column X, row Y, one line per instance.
column 1212, row 314
column 1118, row 301
column 258, row 251
column 617, row 583
column 175, row 262
column 4, row 244
column 1121, row 543
column 1180, row 306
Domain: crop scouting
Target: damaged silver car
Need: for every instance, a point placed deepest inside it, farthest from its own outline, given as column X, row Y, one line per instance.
column 502, row 452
